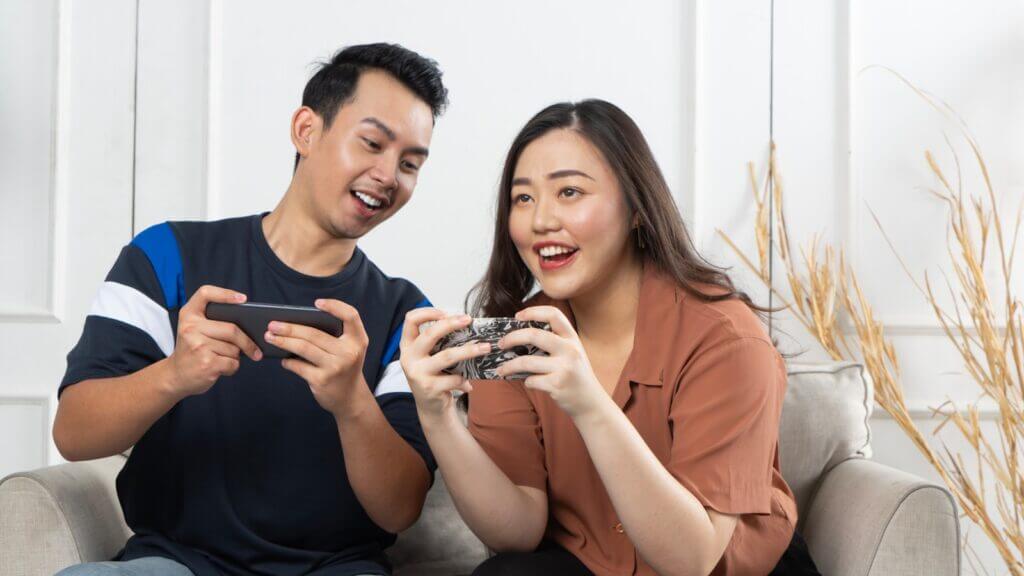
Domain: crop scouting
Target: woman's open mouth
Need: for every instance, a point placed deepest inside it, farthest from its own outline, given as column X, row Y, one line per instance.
column 553, row 256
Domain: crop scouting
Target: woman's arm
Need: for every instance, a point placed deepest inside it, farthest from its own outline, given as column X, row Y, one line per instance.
column 656, row 511
column 506, row 517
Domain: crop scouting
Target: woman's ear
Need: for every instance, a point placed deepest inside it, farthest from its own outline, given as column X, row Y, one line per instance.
column 305, row 126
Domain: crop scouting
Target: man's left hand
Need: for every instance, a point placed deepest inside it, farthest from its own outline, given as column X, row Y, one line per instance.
column 333, row 367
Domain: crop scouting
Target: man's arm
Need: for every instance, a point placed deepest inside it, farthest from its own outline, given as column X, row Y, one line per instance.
column 386, row 474
column 105, row 416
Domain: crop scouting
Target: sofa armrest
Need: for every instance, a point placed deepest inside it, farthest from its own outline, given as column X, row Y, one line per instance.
column 868, row 519
column 61, row 515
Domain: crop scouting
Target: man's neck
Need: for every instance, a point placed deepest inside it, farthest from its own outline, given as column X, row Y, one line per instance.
column 302, row 243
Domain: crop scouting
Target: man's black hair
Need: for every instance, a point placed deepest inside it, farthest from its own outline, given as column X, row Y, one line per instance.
column 335, row 82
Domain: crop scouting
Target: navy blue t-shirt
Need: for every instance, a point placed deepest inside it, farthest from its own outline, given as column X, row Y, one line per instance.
column 248, row 477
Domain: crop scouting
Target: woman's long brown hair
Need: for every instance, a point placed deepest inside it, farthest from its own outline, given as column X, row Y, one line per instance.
column 662, row 232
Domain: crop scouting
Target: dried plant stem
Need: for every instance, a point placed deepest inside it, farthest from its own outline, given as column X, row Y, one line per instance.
column 992, row 353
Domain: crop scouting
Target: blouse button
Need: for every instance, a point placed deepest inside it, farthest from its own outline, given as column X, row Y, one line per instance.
column 618, row 528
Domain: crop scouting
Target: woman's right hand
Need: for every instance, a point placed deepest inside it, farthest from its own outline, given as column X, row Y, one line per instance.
column 431, row 387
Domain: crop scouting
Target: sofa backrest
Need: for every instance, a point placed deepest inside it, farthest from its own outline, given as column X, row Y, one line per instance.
column 825, row 420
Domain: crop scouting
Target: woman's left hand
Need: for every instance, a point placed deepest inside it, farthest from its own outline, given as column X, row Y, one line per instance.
column 565, row 374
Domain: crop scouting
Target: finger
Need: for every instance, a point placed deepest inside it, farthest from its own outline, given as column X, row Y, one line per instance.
column 413, row 320
column 559, row 323
column 231, row 333
column 452, row 356
column 546, row 341
column 528, row 365
column 221, row 348
column 541, row 382
column 227, row 366
column 352, row 324
column 207, row 294
column 427, row 340
column 447, row 384
column 318, row 338
column 301, row 368
column 303, row 348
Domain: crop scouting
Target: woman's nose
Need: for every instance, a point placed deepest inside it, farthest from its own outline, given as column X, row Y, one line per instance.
column 545, row 217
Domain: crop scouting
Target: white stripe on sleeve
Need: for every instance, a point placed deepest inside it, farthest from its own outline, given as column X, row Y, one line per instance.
column 393, row 380
column 126, row 304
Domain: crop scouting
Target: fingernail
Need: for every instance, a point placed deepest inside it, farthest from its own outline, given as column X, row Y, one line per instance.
column 483, row 347
column 464, row 318
column 258, row 355
column 501, row 343
column 239, row 297
column 318, row 303
column 273, row 326
column 268, row 337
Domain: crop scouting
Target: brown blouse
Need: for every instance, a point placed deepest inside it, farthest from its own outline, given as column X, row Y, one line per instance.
column 704, row 388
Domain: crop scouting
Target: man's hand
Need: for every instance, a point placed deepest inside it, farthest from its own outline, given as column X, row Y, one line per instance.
column 206, row 349
column 332, row 367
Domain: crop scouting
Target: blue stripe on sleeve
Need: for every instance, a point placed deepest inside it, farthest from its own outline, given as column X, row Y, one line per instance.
column 396, row 336
column 161, row 247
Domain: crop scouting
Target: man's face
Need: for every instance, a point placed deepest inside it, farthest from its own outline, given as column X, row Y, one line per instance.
column 363, row 169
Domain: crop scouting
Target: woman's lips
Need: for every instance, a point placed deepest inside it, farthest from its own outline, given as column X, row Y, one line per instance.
column 560, row 261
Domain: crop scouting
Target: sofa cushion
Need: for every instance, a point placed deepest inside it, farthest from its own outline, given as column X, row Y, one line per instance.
column 825, row 420
column 439, row 542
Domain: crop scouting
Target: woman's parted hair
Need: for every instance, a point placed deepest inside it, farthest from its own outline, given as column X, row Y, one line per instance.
column 662, row 232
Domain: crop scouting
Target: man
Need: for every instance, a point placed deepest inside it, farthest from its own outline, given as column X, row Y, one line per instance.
column 246, row 465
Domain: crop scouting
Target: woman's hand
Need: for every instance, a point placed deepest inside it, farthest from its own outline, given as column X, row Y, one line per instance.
column 565, row 374
column 432, row 388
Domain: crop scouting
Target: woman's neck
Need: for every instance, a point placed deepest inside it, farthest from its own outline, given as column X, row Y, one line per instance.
column 606, row 314
column 301, row 243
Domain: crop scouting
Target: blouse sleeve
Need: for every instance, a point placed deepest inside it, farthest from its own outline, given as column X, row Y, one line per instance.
column 505, row 423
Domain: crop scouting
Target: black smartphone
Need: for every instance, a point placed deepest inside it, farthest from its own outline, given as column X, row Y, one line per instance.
column 253, row 318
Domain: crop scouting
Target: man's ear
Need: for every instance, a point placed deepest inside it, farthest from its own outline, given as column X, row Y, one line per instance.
column 306, row 125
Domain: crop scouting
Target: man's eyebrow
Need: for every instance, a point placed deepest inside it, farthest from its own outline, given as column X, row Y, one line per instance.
column 382, row 126
column 417, row 150
column 524, row 181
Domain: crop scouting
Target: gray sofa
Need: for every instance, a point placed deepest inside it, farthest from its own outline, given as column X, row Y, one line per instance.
column 859, row 517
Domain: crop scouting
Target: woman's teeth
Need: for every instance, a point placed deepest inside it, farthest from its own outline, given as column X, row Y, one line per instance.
column 552, row 251
column 367, row 199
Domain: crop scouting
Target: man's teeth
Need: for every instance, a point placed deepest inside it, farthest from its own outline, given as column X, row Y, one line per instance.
column 367, row 199
column 549, row 251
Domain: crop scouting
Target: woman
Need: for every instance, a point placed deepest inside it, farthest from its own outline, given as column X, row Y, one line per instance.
column 646, row 441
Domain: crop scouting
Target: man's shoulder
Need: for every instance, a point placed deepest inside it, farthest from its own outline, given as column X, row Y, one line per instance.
column 394, row 288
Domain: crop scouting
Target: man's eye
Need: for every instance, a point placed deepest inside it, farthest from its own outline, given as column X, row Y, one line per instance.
column 372, row 144
column 410, row 166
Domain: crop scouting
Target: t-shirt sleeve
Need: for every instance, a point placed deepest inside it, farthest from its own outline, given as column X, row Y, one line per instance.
column 128, row 326
column 392, row 388
column 506, row 425
column 725, row 425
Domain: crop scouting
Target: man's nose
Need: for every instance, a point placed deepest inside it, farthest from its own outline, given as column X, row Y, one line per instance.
column 385, row 171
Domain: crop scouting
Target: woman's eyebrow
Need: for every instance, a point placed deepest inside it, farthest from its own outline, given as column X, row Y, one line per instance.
column 524, row 181
column 567, row 173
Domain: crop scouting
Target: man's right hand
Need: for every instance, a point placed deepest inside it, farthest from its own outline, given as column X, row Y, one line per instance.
column 206, row 349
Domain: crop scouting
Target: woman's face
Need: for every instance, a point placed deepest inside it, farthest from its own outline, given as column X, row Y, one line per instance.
column 569, row 219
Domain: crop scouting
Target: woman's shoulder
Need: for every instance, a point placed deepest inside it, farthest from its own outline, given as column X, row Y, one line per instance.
column 719, row 321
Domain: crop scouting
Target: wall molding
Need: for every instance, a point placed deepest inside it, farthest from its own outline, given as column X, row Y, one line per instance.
column 43, row 403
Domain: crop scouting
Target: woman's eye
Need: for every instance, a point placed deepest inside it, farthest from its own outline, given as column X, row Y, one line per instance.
column 521, row 198
column 570, row 192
